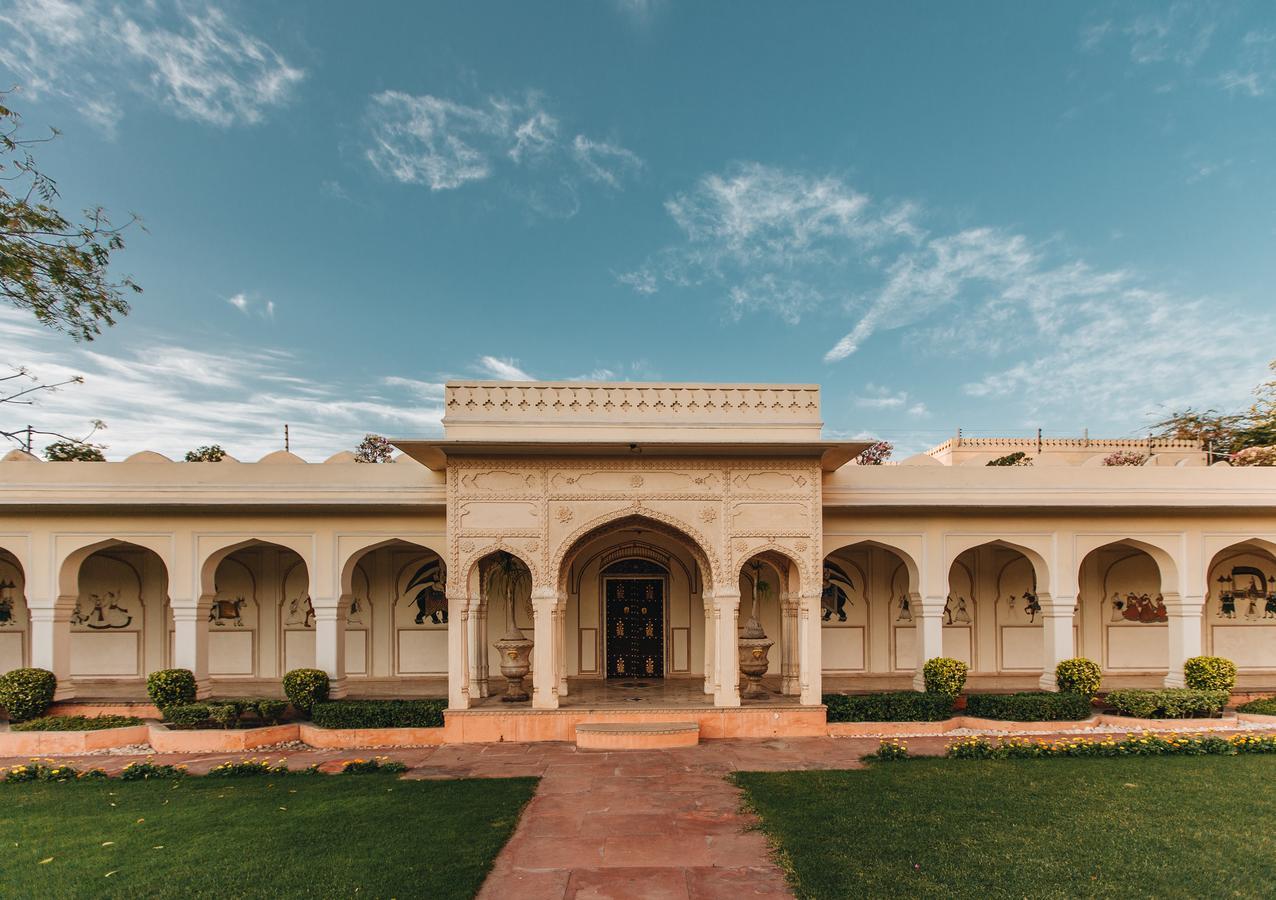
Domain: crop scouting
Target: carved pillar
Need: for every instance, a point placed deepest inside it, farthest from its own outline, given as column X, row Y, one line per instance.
column 560, row 638
column 544, row 676
column 190, row 640
column 726, row 610
column 458, row 663
column 330, row 641
column 790, row 646
column 810, row 651
column 476, row 626
column 51, row 642
column 710, row 676
column 928, row 624
column 1056, row 636
column 1184, row 633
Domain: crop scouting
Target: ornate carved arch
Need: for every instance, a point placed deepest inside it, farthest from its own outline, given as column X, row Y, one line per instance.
column 699, row 545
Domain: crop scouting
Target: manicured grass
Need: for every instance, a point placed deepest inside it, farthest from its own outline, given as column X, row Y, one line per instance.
column 317, row 836
column 1149, row 827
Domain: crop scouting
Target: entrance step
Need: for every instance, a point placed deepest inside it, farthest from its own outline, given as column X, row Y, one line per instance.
column 636, row 735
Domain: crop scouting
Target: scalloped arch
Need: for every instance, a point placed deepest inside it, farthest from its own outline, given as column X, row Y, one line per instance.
column 699, row 544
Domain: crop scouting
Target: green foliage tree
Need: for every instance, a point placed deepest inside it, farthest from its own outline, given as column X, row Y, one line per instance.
column 51, row 265
column 211, row 453
column 74, row 451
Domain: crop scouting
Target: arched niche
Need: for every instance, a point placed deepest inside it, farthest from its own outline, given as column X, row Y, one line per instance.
column 420, row 614
column 296, row 614
column 121, row 588
column 1240, row 606
column 1124, row 620
column 15, row 623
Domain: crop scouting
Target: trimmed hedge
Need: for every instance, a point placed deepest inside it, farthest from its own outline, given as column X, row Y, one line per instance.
column 1210, row 673
column 1108, row 748
column 1169, row 703
column 27, row 693
column 1264, row 707
column 379, row 714
column 306, row 687
column 1029, row 706
column 894, row 706
column 171, row 687
column 186, row 715
column 76, row 723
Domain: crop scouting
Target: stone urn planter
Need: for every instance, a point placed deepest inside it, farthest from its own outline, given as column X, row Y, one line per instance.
column 507, row 573
column 754, row 644
column 515, row 653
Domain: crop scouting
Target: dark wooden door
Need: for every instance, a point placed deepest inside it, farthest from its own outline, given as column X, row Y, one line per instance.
column 635, row 628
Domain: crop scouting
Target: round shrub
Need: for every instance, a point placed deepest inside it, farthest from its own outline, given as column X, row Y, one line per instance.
column 305, row 688
column 1210, row 673
column 271, row 710
column 171, row 687
column 1078, row 676
column 27, row 693
column 944, row 675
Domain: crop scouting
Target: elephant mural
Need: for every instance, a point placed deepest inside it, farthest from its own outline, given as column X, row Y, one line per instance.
column 430, row 598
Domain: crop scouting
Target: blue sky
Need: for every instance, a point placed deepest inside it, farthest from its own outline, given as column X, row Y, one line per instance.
column 995, row 216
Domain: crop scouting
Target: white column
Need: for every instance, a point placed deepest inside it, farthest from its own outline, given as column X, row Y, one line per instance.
column 560, row 644
column 710, row 671
column 51, row 642
column 1056, row 636
column 790, row 646
column 477, row 629
column 458, row 664
column 1185, row 634
column 544, row 678
column 726, row 664
column 928, row 624
column 330, row 641
column 190, row 641
column 810, row 651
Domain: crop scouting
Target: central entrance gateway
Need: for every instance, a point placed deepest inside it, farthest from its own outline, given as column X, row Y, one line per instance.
column 634, row 599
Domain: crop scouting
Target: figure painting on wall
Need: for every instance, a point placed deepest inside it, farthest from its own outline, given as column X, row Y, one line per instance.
column 301, row 612
column 835, row 595
column 106, row 613
column 905, row 612
column 431, row 597
column 354, row 616
column 1269, row 608
column 959, row 615
column 7, row 617
column 1142, row 608
column 225, row 612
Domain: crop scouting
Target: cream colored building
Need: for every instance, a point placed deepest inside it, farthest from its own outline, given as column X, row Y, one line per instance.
column 654, row 508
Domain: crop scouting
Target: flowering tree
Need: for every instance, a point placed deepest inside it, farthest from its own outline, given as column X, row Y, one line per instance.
column 876, row 454
column 1125, row 458
column 374, row 449
column 77, row 451
column 1254, row 456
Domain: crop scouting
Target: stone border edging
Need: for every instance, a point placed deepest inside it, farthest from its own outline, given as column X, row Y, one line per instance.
column 163, row 739
column 44, row 743
column 914, row 729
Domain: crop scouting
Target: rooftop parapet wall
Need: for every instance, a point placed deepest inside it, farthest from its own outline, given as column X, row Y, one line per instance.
column 962, row 451
column 279, row 480
column 1250, row 489
column 600, row 411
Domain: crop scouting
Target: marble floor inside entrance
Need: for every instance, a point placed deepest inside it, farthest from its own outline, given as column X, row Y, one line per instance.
column 637, row 694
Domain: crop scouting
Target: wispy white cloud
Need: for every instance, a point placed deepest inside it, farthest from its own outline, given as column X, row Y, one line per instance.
column 160, row 395
column 443, row 144
column 752, row 227
column 252, row 306
column 192, row 58
column 1200, row 43
column 878, row 397
column 503, row 369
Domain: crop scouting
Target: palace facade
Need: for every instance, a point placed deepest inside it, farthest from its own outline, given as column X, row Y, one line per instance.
column 628, row 530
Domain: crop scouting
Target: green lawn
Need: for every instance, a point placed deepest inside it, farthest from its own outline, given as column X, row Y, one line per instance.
column 318, row 836
column 1151, row 827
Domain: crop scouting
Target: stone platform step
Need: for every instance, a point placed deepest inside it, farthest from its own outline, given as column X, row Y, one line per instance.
column 636, row 735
